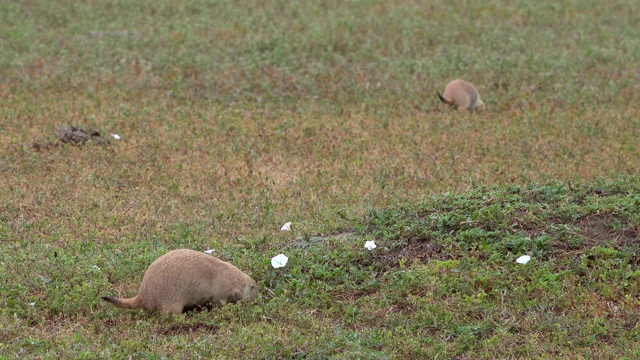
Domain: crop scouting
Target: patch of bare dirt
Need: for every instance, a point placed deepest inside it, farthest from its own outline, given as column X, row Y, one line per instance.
column 422, row 250
column 598, row 230
column 66, row 134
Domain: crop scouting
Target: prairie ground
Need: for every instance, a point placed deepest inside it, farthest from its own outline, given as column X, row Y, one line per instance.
column 235, row 117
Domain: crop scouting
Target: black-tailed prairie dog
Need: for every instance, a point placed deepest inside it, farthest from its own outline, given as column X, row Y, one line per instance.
column 462, row 95
column 184, row 279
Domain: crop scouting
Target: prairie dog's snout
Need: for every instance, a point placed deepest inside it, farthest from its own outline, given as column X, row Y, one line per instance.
column 183, row 279
column 462, row 95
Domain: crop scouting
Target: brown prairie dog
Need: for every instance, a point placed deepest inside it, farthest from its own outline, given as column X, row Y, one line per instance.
column 183, row 279
column 462, row 95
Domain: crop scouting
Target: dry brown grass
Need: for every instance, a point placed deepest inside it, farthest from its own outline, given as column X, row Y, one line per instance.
column 248, row 170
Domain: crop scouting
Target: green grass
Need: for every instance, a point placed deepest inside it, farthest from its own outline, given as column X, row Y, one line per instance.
column 443, row 282
column 237, row 116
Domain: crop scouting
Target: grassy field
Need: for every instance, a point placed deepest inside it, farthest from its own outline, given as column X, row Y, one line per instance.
column 238, row 116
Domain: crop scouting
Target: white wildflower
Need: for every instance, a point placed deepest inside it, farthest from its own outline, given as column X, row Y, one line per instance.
column 279, row 261
column 286, row 226
column 370, row 245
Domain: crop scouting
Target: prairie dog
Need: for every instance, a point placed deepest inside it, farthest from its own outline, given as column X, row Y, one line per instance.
column 462, row 95
column 184, row 279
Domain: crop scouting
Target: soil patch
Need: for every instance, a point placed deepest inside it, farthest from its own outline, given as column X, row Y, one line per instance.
column 598, row 230
column 423, row 250
column 66, row 134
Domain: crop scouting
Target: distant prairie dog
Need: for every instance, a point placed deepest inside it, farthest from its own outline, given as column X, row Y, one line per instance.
column 462, row 95
column 184, row 279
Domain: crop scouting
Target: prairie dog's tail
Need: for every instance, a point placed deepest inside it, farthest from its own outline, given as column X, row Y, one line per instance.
column 448, row 102
column 133, row 303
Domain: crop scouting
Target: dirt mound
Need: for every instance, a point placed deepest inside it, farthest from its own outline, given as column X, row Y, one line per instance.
column 66, row 134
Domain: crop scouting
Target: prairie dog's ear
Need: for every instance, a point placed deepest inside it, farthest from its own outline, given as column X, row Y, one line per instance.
column 250, row 288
